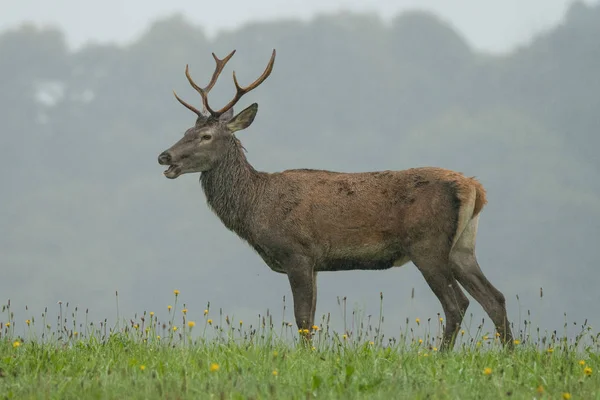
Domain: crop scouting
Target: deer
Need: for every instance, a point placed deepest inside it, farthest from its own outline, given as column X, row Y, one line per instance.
column 305, row 221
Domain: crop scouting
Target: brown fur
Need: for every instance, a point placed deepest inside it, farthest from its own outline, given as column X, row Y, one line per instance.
column 481, row 199
column 305, row 221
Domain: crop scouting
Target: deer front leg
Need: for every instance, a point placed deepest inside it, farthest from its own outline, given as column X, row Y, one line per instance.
column 303, row 283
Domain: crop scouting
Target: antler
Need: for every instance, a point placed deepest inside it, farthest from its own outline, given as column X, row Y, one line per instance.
column 204, row 92
column 240, row 91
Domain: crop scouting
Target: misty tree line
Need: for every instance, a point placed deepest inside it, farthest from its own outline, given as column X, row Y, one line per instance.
column 83, row 202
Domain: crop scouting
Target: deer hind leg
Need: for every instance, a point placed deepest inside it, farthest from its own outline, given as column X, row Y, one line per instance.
column 435, row 268
column 467, row 271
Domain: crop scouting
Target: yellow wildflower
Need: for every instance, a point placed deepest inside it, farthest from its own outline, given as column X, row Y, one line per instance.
column 8, row 324
column 487, row 371
column 462, row 332
column 274, row 372
column 158, row 337
column 176, row 292
column 142, row 367
column 587, row 371
column 152, row 313
column 372, row 343
column 205, row 312
column 434, row 349
column 485, row 337
column 16, row 343
column 241, row 322
column 27, row 322
column 344, row 336
column 184, row 311
column 582, row 362
column 420, row 341
column 214, row 367
column 566, row 395
column 540, row 389
column 136, row 326
column 75, row 333
column 174, row 328
column 517, row 341
column 169, row 307
column 550, row 350
column 209, row 321
column 315, row 328
column 418, row 321
column 441, row 319
column 191, row 324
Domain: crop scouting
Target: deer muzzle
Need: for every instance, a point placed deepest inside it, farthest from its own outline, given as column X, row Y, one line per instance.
column 164, row 158
column 174, row 170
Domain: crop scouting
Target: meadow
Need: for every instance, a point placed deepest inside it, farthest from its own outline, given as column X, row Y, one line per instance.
column 213, row 356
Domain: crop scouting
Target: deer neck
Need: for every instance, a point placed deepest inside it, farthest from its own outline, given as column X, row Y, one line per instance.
column 232, row 189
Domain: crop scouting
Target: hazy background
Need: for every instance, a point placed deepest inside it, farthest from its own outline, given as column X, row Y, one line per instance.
column 509, row 92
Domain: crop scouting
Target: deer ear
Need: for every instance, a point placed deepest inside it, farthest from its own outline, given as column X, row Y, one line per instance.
column 227, row 115
column 243, row 119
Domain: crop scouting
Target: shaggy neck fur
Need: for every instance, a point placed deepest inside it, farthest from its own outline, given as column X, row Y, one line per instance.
column 232, row 188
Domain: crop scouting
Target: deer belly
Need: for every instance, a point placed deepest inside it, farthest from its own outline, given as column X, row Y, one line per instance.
column 342, row 264
column 373, row 263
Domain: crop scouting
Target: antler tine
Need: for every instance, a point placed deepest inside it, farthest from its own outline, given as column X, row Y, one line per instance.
column 188, row 106
column 220, row 64
column 218, row 70
column 204, row 92
column 240, row 91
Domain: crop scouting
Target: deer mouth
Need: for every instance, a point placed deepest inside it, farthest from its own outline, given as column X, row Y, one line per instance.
column 173, row 171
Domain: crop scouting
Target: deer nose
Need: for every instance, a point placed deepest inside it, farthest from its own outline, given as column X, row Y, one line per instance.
column 164, row 158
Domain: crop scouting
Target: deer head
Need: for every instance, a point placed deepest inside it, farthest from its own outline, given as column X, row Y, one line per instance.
column 207, row 142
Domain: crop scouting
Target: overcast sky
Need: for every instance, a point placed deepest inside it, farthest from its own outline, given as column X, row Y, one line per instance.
column 490, row 25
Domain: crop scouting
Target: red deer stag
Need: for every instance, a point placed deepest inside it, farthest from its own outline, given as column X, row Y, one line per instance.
column 304, row 221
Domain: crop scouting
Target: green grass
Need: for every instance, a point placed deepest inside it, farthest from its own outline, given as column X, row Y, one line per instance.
column 146, row 358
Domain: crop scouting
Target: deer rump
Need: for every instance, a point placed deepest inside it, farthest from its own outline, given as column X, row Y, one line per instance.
column 361, row 221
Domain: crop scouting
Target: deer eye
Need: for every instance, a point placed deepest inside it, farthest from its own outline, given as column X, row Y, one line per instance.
column 206, row 137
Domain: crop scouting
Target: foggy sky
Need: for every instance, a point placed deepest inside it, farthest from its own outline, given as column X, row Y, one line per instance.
column 493, row 26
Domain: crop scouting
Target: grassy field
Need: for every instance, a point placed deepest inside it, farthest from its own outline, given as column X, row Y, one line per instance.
column 214, row 357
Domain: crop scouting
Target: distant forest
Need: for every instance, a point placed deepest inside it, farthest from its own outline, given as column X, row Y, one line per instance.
column 85, row 210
